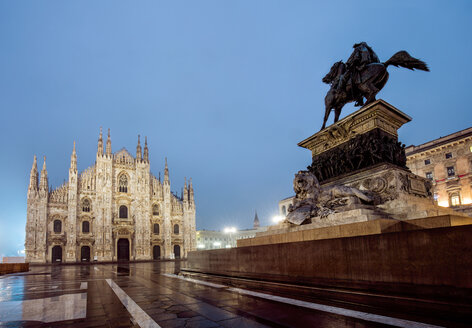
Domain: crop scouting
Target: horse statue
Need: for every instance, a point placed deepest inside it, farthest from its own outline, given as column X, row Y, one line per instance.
column 371, row 78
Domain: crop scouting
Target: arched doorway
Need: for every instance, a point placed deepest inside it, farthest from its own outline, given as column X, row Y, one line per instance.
column 85, row 254
column 123, row 249
column 156, row 252
column 57, row 254
column 177, row 251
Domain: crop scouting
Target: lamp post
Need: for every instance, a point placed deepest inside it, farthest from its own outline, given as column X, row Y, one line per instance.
column 277, row 219
column 230, row 231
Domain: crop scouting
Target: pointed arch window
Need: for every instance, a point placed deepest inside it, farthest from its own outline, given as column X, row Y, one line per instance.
column 86, row 205
column 123, row 212
column 155, row 209
column 176, row 229
column 123, row 183
column 85, row 227
column 57, row 226
column 156, row 228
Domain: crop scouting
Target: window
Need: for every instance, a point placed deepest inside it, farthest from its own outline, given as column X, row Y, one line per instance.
column 123, row 212
column 455, row 199
column 427, row 161
column 85, row 227
column 156, row 229
column 123, row 183
column 176, row 229
column 450, row 171
column 86, row 205
column 448, row 155
column 436, row 197
column 57, row 226
column 429, row 175
column 155, row 209
column 284, row 210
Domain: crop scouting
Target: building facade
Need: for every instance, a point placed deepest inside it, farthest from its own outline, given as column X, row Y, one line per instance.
column 211, row 239
column 114, row 210
column 447, row 162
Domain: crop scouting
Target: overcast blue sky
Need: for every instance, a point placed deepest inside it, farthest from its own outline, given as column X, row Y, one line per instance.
column 224, row 89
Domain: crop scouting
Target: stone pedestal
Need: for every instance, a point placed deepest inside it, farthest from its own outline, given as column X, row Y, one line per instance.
column 362, row 151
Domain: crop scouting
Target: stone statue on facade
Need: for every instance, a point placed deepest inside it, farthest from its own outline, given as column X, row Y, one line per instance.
column 362, row 76
column 312, row 200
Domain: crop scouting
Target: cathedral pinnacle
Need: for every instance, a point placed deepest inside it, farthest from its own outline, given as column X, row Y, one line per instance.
column 100, row 144
column 139, row 155
column 43, row 183
column 146, row 151
column 108, row 148
column 166, row 173
column 73, row 159
column 34, row 175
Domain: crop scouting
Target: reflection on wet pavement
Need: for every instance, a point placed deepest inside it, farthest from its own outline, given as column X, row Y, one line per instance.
column 143, row 295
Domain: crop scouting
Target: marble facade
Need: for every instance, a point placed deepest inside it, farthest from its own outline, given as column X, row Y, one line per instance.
column 114, row 210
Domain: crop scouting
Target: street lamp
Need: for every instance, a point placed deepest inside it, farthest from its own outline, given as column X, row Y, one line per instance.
column 230, row 231
column 277, row 219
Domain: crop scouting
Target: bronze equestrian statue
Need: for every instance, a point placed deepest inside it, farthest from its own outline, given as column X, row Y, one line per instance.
column 363, row 75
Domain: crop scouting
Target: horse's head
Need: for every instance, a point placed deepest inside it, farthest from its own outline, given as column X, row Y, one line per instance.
column 336, row 69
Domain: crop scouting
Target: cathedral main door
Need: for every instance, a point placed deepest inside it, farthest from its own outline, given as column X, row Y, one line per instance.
column 123, row 249
column 57, row 254
column 85, row 254
column 177, row 251
column 156, row 252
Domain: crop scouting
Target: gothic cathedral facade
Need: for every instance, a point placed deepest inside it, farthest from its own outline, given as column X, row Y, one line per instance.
column 114, row 210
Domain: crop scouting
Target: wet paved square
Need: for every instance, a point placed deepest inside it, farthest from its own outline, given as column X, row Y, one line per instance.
column 144, row 295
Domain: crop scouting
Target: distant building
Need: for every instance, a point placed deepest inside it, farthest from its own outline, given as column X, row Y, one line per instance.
column 210, row 239
column 114, row 210
column 284, row 205
column 13, row 259
column 447, row 162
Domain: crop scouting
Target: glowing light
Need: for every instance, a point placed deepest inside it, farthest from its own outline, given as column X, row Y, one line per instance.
column 200, row 246
column 217, row 243
column 228, row 246
column 466, row 201
column 443, row 203
column 230, row 230
column 277, row 219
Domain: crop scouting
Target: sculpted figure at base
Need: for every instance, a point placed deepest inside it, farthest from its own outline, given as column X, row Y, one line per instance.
column 362, row 76
column 313, row 200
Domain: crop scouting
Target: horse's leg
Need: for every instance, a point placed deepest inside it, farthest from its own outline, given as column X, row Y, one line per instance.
column 337, row 112
column 328, row 107
column 369, row 90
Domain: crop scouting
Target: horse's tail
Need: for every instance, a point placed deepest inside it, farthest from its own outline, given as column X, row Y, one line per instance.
column 403, row 59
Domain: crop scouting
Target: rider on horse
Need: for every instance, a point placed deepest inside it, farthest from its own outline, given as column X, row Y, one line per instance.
column 362, row 56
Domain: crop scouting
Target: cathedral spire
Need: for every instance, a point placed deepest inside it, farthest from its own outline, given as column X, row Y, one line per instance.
column 108, row 149
column 185, row 193
column 139, row 155
column 43, row 183
column 33, row 185
column 100, row 144
column 257, row 224
column 146, row 151
column 190, row 192
column 73, row 160
column 166, row 173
